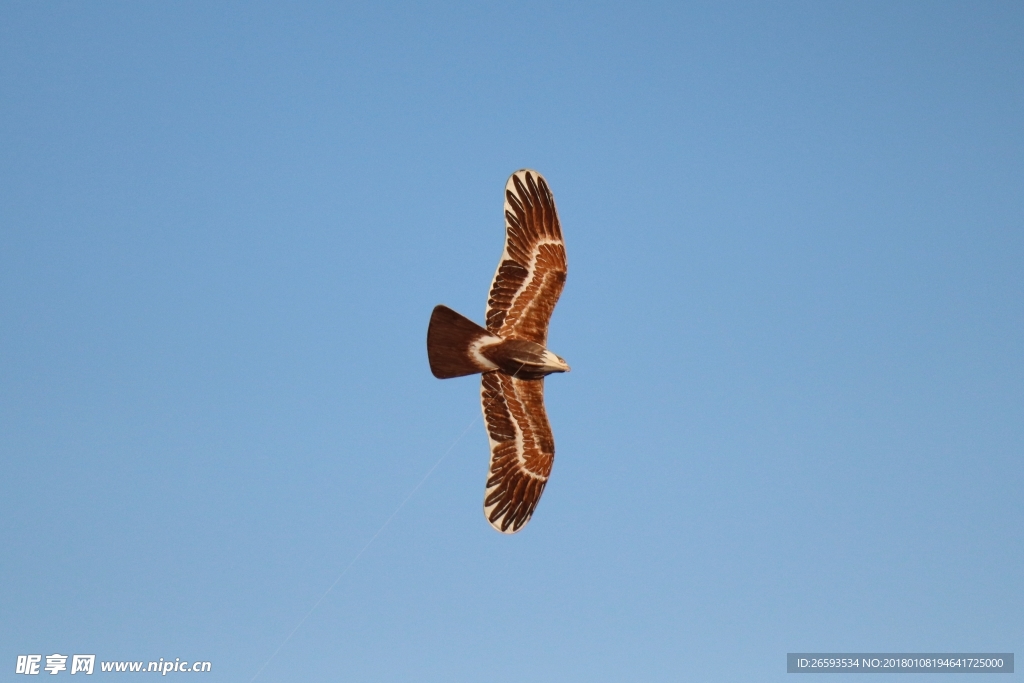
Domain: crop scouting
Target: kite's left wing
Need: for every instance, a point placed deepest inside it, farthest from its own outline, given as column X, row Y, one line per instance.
column 522, row 449
column 532, row 269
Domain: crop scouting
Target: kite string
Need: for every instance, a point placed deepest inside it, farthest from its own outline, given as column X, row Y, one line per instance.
column 378, row 532
column 365, row 547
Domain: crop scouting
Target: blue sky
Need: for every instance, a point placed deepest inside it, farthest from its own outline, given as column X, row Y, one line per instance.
column 794, row 312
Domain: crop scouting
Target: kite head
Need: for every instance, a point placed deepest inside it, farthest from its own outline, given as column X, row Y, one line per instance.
column 553, row 363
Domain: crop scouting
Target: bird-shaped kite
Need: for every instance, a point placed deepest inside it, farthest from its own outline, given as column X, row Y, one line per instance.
column 511, row 351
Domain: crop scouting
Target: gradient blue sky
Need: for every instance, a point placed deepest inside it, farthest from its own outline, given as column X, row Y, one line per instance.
column 794, row 312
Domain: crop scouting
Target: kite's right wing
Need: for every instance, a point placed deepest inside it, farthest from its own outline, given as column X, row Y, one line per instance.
column 522, row 449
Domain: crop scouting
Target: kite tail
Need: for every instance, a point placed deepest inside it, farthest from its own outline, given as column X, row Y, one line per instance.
column 453, row 343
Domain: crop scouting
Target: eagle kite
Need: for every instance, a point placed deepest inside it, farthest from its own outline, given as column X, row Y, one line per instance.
column 511, row 351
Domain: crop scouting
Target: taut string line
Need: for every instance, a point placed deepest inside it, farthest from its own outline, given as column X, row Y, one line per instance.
column 370, row 542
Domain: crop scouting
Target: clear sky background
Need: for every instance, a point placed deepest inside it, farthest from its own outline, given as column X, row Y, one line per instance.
column 794, row 313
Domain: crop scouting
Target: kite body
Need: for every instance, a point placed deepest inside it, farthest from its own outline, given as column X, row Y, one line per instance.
column 511, row 352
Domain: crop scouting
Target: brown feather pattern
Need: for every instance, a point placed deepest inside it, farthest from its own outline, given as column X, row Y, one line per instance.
column 516, row 421
column 527, row 284
column 531, row 274
column 526, row 287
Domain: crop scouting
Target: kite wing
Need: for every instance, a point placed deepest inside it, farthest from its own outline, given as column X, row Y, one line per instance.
column 532, row 269
column 522, row 449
